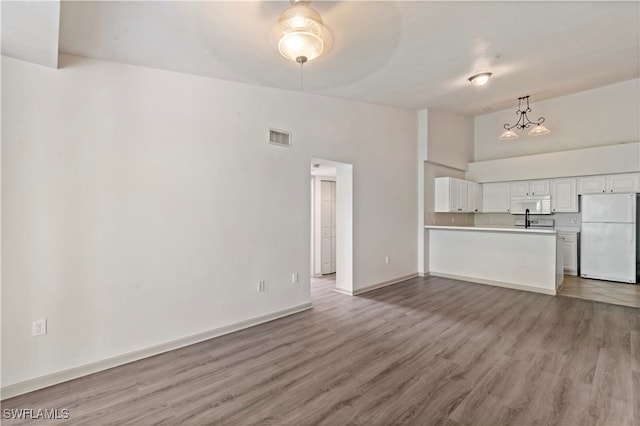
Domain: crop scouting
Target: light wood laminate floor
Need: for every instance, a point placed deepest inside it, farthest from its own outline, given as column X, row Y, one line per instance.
column 428, row 351
column 601, row 291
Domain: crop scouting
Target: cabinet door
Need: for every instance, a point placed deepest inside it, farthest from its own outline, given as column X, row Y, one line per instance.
column 520, row 188
column 474, row 197
column 569, row 255
column 442, row 196
column 461, row 195
column 569, row 246
column 539, row 187
column 592, row 184
column 623, row 183
column 565, row 196
column 496, row 197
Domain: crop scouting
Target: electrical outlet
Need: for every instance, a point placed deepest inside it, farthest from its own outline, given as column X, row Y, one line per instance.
column 387, row 259
column 39, row 328
column 261, row 286
column 294, row 278
column 523, row 263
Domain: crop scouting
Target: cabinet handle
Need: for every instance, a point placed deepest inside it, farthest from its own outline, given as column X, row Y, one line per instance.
column 603, row 190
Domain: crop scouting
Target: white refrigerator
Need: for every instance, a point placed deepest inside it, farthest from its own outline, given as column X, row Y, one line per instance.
column 608, row 237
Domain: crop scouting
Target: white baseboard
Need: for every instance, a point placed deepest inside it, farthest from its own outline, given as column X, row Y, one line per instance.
column 383, row 284
column 36, row 383
column 423, row 274
column 343, row 291
column 551, row 292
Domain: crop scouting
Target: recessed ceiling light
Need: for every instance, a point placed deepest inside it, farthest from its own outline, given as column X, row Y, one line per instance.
column 480, row 79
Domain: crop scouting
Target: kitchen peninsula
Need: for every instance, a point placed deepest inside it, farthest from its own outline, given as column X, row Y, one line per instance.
column 518, row 258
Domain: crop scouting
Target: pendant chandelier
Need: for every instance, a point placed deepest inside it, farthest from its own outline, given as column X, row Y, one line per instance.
column 301, row 34
column 524, row 123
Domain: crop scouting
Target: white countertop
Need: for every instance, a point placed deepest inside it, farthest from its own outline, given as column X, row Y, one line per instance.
column 573, row 229
column 495, row 229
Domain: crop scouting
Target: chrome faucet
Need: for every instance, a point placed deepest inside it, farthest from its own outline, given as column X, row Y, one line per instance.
column 527, row 222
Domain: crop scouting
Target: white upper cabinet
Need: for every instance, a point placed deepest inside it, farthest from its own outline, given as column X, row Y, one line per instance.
column 564, row 197
column 525, row 188
column 496, row 197
column 450, row 195
column 624, row 183
column 629, row 182
column 457, row 196
column 520, row 188
column 474, row 197
column 592, row 184
column 539, row 187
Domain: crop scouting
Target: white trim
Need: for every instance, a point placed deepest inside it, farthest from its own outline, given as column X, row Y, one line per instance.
column 424, row 274
column 36, row 383
column 497, row 283
column 343, row 291
column 375, row 286
column 384, row 284
column 445, row 165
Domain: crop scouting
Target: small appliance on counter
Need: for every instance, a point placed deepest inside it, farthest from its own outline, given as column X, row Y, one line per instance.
column 608, row 238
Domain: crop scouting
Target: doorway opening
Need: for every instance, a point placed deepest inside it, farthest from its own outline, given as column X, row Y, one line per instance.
column 332, row 224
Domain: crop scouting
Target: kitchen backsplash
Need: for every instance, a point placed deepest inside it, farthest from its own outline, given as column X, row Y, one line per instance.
column 562, row 220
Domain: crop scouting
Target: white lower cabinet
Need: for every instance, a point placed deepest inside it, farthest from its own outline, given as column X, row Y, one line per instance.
column 569, row 248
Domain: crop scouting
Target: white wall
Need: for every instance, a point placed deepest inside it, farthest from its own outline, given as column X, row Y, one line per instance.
column 141, row 206
column 603, row 116
column 450, row 139
column 446, row 147
column 600, row 160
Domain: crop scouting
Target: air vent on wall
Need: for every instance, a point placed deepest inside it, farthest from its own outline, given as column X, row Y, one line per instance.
column 279, row 137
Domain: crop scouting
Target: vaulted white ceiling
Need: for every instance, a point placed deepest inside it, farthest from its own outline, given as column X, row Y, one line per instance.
column 411, row 54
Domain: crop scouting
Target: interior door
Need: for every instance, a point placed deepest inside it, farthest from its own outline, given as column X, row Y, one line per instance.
column 327, row 226
column 333, row 227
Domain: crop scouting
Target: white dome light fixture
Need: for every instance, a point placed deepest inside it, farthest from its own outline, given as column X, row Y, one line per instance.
column 524, row 123
column 301, row 34
column 481, row 79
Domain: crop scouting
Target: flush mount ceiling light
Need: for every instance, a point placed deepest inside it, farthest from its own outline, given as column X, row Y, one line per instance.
column 524, row 123
column 480, row 79
column 300, row 33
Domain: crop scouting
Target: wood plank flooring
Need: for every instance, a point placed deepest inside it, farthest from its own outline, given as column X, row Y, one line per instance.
column 429, row 351
column 601, row 291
